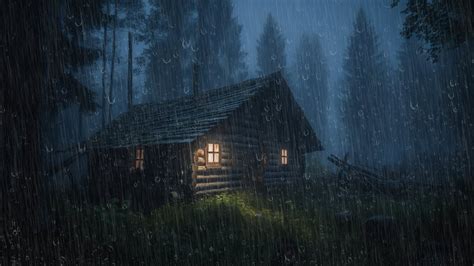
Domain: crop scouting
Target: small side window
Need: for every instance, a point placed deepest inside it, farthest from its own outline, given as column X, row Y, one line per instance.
column 139, row 159
column 284, row 156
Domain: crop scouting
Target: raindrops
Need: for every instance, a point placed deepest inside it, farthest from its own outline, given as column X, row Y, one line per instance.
column 78, row 24
column 278, row 107
column 166, row 60
column 318, row 76
column 186, row 90
column 81, row 148
column 452, row 83
column 185, row 44
column 110, row 101
column 306, row 132
column 48, row 148
column 360, row 113
column 413, row 106
column 451, row 96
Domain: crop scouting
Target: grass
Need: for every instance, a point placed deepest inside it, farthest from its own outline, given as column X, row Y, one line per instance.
column 298, row 226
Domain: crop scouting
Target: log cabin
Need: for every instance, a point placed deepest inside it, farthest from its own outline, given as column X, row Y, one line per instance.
column 251, row 134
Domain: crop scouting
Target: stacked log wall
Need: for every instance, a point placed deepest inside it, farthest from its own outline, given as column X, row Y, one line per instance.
column 248, row 139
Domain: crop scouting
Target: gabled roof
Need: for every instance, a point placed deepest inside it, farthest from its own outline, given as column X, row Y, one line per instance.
column 180, row 120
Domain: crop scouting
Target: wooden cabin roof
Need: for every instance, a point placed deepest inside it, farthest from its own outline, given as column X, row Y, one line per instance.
column 181, row 120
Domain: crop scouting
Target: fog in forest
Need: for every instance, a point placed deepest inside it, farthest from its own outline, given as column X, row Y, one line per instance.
column 237, row 132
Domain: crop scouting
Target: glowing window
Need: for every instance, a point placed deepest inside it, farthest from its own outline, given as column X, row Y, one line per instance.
column 213, row 153
column 284, row 156
column 139, row 159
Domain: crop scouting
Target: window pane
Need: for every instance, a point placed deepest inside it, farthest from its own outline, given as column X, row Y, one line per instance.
column 216, row 147
column 210, row 158
column 210, row 147
column 216, row 157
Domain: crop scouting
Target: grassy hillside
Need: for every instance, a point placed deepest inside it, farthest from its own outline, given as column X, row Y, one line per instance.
column 316, row 223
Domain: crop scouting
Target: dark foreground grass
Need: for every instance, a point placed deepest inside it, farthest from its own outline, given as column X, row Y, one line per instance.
column 296, row 226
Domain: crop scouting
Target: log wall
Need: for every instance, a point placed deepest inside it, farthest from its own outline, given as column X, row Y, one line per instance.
column 251, row 141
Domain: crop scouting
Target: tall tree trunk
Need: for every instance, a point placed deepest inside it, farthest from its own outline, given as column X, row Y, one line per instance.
column 22, row 76
column 104, row 67
column 111, row 85
column 130, row 71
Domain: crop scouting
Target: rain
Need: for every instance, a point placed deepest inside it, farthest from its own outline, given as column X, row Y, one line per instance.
column 237, row 132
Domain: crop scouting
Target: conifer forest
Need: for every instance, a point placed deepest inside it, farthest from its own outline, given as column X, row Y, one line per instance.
column 237, row 132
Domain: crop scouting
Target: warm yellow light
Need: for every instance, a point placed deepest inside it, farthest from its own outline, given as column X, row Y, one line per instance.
column 284, row 156
column 213, row 153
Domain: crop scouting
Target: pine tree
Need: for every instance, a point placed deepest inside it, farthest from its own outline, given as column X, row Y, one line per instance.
column 442, row 24
column 365, row 78
column 220, row 53
column 456, row 76
column 421, row 100
column 271, row 55
column 166, row 35
column 177, row 39
column 447, row 28
column 42, row 81
column 312, row 80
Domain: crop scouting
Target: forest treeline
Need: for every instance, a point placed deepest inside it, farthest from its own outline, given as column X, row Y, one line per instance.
column 418, row 111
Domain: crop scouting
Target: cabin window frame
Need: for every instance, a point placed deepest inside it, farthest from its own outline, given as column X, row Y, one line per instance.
column 284, row 157
column 138, row 162
column 214, row 153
